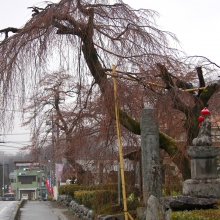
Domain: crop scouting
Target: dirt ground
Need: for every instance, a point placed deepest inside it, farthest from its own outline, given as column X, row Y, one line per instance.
column 69, row 215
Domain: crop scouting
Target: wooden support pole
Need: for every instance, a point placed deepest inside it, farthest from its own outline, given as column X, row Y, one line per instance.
column 152, row 84
column 121, row 159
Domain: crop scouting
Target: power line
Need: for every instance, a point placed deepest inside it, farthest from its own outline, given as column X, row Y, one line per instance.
column 13, row 110
column 15, row 134
column 13, row 142
column 18, row 97
column 10, row 110
column 9, row 146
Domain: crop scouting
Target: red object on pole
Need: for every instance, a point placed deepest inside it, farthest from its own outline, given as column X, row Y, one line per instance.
column 200, row 119
column 205, row 111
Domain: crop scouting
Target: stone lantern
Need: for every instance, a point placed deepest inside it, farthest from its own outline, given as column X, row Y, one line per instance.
column 204, row 182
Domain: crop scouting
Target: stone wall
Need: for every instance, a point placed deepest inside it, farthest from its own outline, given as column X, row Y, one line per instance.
column 82, row 212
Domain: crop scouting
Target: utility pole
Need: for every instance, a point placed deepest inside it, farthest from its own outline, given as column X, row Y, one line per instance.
column 3, row 176
column 53, row 146
column 40, row 185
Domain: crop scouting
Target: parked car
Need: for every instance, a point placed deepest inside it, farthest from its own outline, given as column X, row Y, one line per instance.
column 8, row 197
column 24, row 196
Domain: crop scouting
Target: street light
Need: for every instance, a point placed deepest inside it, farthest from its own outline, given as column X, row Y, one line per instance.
column 3, row 173
column 53, row 129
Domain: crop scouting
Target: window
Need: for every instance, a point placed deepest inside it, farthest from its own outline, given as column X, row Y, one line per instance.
column 26, row 179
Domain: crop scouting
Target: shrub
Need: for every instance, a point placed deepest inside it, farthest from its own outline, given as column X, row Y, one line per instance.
column 172, row 188
column 133, row 204
column 107, row 186
column 96, row 198
column 78, row 196
column 102, row 197
column 68, row 189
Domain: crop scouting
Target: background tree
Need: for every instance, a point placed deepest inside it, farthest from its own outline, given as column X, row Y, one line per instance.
column 58, row 108
column 83, row 129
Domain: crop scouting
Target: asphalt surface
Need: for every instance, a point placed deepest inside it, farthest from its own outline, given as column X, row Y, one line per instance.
column 35, row 210
column 6, row 209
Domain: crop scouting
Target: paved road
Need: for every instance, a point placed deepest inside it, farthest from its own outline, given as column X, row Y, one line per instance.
column 6, row 209
column 35, row 210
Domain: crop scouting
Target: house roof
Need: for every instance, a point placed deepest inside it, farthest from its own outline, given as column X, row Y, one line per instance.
column 133, row 155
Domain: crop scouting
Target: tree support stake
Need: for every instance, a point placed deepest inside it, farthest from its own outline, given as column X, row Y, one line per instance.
column 120, row 146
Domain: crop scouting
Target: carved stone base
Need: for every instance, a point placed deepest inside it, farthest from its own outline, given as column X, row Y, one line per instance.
column 204, row 168
column 208, row 188
column 203, row 151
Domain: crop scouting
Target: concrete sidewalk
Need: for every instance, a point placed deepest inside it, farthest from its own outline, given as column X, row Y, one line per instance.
column 35, row 210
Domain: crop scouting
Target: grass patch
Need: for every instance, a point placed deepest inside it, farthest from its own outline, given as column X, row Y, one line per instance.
column 69, row 215
column 201, row 214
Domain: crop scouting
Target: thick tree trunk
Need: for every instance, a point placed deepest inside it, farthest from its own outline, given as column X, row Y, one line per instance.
column 177, row 155
column 166, row 142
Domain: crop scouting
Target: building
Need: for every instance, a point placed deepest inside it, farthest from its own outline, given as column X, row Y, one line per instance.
column 28, row 178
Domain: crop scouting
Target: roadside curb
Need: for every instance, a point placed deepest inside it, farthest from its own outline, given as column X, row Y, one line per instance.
column 16, row 211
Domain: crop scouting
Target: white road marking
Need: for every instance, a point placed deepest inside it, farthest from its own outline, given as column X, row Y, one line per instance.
column 3, row 210
column 8, row 204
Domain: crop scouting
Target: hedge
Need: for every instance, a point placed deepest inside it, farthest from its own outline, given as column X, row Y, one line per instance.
column 69, row 189
column 96, row 198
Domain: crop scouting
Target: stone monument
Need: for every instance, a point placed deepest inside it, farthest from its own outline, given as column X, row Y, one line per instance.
column 203, row 189
column 204, row 182
column 151, row 178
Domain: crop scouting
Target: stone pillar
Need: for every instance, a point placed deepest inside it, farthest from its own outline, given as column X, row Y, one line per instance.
column 151, row 178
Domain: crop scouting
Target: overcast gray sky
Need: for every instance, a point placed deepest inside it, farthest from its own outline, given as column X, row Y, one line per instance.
column 195, row 23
